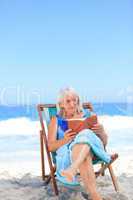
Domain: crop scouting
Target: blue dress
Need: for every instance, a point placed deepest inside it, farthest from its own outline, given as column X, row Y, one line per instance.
column 63, row 154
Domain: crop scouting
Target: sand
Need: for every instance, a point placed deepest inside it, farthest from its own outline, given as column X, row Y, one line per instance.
column 31, row 187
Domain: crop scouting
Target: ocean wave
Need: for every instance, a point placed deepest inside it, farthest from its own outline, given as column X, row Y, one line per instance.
column 26, row 127
column 116, row 122
column 19, row 126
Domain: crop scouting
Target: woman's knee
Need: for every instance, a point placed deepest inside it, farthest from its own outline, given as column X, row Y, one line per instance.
column 77, row 147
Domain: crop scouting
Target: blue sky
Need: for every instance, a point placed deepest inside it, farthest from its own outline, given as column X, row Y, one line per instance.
column 49, row 44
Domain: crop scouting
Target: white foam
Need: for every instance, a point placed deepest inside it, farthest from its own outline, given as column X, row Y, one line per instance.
column 116, row 122
column 19, row 126
column 25, row 126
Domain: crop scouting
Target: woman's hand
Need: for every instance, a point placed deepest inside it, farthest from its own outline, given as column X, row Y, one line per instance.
column 97, row 128
column 69, row 135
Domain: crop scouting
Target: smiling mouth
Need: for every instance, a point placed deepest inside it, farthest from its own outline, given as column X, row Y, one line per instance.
column 72, row 109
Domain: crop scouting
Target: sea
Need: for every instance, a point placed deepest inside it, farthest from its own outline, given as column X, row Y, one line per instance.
column 20, row 141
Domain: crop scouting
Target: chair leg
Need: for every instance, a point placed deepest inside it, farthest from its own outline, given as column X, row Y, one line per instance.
column 52, row 172
column 101, row 170
column 42, row 155
column 52, row 175
column 52, row 169
column 54, row 184
column 113, row 178
column 103, row 173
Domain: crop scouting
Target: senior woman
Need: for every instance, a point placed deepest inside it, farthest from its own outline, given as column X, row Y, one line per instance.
column 72, row 151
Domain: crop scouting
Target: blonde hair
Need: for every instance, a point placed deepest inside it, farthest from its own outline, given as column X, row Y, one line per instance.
column 62, row 94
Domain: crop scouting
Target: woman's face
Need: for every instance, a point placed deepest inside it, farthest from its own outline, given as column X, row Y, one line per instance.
column 70, row 104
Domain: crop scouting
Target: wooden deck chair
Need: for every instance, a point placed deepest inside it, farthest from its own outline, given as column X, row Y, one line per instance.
column 46, row 111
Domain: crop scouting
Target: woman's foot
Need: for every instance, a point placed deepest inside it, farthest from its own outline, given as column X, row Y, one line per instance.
column 114, row 157
column 97, row 197
column 69, row 174
column 87, row 196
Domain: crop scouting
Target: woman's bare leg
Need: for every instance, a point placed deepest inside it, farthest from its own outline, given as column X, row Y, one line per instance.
column 71, row 171
column 87, row 172
column 88, row 177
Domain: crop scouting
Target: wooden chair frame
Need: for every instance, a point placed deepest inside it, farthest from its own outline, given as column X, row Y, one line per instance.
column 44, row 142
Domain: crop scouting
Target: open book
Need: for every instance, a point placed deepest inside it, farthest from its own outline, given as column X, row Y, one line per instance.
column 79, row 124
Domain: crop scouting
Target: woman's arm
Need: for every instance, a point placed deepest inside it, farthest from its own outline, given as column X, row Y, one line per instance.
column 53, row 143
column 100, row 132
